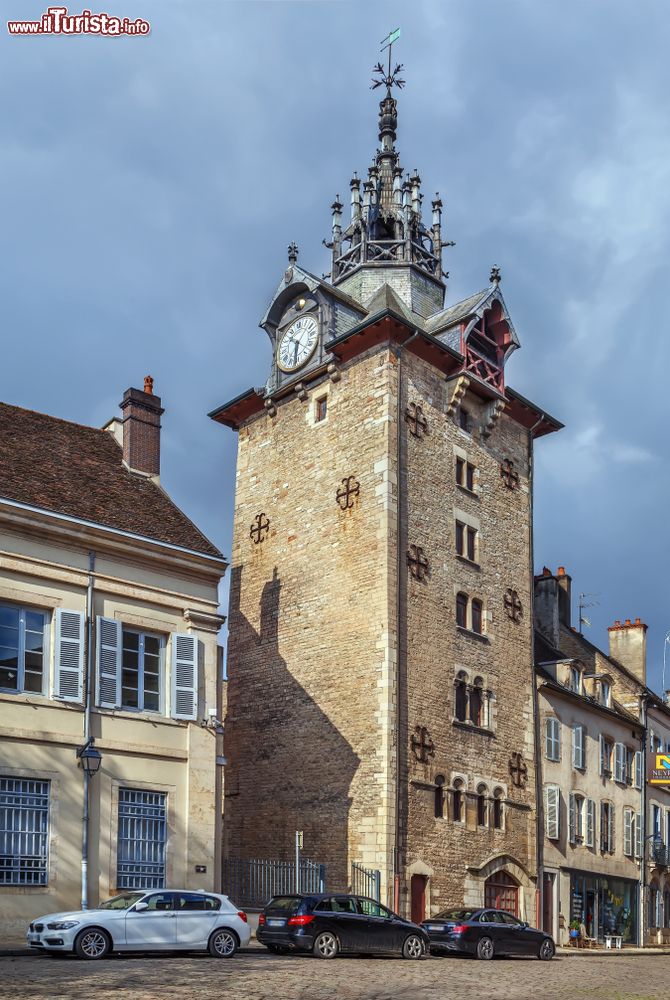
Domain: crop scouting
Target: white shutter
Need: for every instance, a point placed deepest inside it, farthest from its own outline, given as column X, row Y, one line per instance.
column 578, row 746
column 552, row 739
column 628, row 832
column 69, row 655
column 638, row 835
column 638, row 769
column 572, row 818
column 184, row 676
column 619, row 762
column 552, row 811
column 610, row 829
column 109, row 662
column 590, row 823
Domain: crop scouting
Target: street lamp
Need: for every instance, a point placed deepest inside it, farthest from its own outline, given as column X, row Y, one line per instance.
column 665, row 646
column 90, row 760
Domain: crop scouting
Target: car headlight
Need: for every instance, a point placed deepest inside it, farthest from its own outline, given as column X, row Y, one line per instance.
column 63, row 925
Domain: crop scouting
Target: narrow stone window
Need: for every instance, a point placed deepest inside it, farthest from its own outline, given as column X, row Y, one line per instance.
column 439, row 796
column 477, row 616
column 481, row 806
column 498, row 809
column 457, row 801
column 462, row 610
column 472, row 545
column 464, row 421
column 320, row 409
column 477, row 702
column 461, row 697
column 460, row 471
column 460, row 538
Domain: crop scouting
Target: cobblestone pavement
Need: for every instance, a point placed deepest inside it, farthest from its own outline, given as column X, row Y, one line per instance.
column 256, row 975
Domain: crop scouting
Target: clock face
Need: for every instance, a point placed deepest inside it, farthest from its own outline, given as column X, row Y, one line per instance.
column 297, row 343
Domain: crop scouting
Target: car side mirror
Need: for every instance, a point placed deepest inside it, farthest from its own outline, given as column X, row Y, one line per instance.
column 524, row 923
column 142, row 905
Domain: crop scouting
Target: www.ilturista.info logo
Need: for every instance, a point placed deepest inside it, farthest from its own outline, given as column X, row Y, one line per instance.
column 57, row 21
column 660, row 775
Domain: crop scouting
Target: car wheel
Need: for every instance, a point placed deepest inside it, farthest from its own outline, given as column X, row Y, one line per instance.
column 413, row 947
column 326, row 945
column 546, row 952
column 92, row 944
column 485, row 949
column 223, row 943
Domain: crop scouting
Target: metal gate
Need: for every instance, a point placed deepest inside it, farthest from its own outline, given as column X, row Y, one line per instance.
column 365, row 881
column 253, row 883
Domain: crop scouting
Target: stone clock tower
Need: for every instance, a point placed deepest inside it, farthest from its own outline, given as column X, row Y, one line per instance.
column 380, row 650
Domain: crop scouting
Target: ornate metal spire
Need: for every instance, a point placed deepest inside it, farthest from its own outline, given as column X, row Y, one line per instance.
column 386, row 226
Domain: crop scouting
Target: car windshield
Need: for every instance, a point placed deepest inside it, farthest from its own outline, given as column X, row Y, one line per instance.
column 122, row 902
column 456, row 915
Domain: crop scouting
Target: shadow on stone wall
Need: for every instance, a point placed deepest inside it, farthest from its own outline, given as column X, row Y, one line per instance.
column 289, row 768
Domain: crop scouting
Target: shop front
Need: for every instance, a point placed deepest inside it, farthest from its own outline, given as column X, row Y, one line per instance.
column 605, row 906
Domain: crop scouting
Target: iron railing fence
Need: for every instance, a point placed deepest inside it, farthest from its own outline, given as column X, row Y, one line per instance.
column 253, row 883
column 365, row 881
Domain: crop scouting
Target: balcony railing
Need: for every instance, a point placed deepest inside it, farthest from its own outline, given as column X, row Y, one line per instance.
column 660, row 855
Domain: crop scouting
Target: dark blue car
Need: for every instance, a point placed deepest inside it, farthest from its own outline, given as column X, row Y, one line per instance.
column 485, row 933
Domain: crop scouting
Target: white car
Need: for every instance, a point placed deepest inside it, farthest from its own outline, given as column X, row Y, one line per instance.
column 157, row 920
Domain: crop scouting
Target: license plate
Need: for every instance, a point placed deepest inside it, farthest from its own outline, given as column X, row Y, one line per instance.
column 434, row 927
column 276, row 923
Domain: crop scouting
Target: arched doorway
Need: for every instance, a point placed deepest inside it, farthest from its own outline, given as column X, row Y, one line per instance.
column 501, row 892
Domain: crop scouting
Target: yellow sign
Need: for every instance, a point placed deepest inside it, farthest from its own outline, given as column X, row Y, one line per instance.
column 660, row 775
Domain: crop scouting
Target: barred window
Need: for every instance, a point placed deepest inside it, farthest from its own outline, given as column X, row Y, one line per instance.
column 141, row 839
column 24, row 831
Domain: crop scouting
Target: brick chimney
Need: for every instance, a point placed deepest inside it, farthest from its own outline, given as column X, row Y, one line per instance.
column 628, row 646
column 552, row 603
column 142, row 429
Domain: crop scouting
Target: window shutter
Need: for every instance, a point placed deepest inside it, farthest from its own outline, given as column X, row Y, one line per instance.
column 628, row 832
column 572, row 818
column 578, row 746
column 603, row 827
column 590, row 823
column 109, row 662
column 610, row 830
column 638, row 769
column 552, row 739
column 69, row 655
column 619, row 762
column 638, row 835
column 552, row 811
column 184, row 676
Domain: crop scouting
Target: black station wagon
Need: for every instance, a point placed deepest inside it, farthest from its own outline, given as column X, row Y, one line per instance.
column 330, row 924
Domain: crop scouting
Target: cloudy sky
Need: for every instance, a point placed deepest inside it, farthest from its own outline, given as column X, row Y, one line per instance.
column 151, row 185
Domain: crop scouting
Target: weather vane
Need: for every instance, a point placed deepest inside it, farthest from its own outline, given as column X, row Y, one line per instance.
column 386, row 77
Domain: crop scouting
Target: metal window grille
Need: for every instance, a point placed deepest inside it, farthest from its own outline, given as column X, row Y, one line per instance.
column 141, row 839
column 24, row 831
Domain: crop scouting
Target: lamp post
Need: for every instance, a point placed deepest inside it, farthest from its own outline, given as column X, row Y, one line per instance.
column 665, row 646
column 89, row 760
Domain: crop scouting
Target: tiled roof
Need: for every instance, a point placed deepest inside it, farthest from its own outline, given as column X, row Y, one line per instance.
column 78, row 471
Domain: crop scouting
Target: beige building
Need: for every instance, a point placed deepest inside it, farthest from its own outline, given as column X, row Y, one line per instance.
column 108, row 641
column 606, row 825
column 380, row 694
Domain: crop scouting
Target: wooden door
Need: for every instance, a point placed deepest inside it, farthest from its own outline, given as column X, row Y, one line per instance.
column 418, row 887
column 548, row 905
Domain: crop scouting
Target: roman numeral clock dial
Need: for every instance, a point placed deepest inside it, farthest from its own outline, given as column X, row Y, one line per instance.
column 297, row 343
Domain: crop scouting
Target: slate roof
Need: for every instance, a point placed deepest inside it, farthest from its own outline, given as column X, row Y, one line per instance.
column 78, row 471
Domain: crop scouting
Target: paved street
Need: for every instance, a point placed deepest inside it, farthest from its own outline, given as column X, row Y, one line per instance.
column 256, row 975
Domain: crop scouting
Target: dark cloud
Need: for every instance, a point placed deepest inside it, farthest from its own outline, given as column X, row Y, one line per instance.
column 150, row 186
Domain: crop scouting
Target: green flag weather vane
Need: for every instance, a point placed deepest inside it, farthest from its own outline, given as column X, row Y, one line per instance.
column 386, row 77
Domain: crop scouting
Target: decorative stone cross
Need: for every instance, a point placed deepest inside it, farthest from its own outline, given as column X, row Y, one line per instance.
column 259, row 529
column 417, row 562
column 518, row 770
column 418, row 425
column 509, row 474
column 422, row 745
column 347, row 492
column 513, row 605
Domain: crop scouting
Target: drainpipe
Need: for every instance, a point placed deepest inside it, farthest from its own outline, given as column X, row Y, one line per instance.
column 88, row 696
column 397, row 350
column 539, row 797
